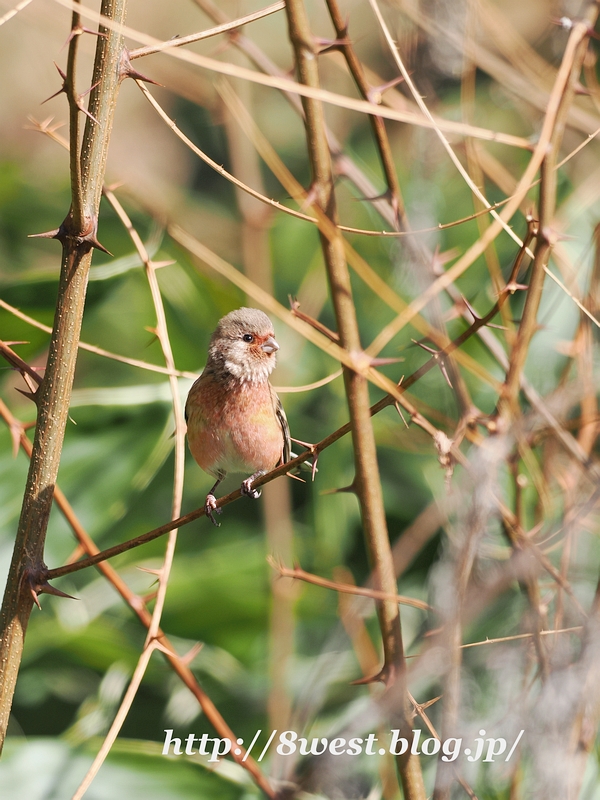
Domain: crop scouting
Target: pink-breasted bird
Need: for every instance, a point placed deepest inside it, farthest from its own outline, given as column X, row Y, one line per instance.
column 235, row 420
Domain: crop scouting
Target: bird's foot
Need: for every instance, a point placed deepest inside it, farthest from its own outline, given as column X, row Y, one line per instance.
column 247, row 490
column 210, row 506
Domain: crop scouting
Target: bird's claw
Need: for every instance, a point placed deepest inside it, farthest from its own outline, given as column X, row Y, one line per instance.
column 210, row 506
column 247, row 490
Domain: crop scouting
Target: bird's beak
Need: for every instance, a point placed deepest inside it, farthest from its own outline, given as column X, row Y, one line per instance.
column 270, row 345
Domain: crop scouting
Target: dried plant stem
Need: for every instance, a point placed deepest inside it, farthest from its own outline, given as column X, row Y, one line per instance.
column 299, row 574
column 367, row 481
column 531, row 587
column 99, row 351
column 377, row 123
column 10, row 14
column 54, row 394
column 128, row 699
column 286, row 85
column 468, row 94
column 585, row 724
column 587, row 710
column 558, row 109
column 163, row 337
column 452, row 639
column 152, row 639
column 198, row 37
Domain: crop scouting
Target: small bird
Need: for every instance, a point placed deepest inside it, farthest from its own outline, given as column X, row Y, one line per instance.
column 235, row 420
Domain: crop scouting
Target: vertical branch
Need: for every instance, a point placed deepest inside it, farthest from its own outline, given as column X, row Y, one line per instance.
column 528, row 583
column 377, row 123
column 367, row 481
column 154, row 634
column 567, row 79
column 53, row 396
column 74, row 127
column 468, row 105
column 587, row 710
column 474, row 524
column 589, row 427
column 162, row 334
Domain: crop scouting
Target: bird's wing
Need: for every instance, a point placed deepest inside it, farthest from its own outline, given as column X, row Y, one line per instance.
column 285, row 428
column 190, row 398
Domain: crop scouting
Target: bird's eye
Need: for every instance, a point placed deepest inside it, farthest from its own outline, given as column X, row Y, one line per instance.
column 247, row 337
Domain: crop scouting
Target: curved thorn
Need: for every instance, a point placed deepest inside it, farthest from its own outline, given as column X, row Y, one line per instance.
column 95, row 243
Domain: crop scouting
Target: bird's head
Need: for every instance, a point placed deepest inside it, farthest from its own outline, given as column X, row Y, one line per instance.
column 244, row 345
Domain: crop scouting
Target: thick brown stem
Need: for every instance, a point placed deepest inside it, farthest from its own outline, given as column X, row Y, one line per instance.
column 367, row 481
column 53, row 397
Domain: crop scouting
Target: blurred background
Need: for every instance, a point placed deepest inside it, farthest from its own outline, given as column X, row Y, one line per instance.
column 276, row 653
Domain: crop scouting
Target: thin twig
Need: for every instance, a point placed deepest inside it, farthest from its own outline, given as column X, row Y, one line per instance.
column 198, row 37
column 423, row 106
column 99, row 351
column 10, row 14
column 286, row 85
column 152, row 641
column 374, row 594
column 560, row 100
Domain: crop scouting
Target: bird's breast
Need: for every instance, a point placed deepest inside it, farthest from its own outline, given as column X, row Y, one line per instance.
column 232, row 426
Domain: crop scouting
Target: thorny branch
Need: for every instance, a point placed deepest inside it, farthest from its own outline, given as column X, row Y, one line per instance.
column 77, row 235
column 366, row 482
column 558, row 107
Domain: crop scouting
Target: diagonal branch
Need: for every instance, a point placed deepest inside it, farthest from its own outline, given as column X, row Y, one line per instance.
column 178, row 664
column 283, row 469
column 287, row 85
column 198, row 37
